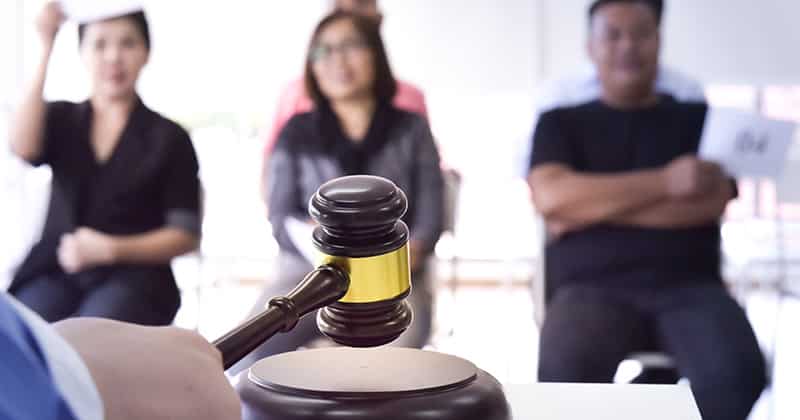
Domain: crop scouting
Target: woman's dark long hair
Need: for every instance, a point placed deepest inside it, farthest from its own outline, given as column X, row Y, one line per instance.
column 384, row 86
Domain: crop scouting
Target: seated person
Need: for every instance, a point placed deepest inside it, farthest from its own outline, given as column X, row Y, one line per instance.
column 125, row 192
column 353, row 129
column 294, row 98
column 633, row 217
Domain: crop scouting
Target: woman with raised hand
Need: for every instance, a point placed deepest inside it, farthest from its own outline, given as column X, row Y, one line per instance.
column 125, row 192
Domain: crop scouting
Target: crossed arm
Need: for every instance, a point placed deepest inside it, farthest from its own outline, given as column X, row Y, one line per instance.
column 685, row 193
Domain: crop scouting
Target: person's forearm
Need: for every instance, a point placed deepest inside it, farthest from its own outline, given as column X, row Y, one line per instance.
column 155, row 247
column 154, row 373
column 584, row 199
column 26, row 131
column 681, row 213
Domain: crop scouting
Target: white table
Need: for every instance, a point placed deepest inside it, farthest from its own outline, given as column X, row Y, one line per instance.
column 551, row 401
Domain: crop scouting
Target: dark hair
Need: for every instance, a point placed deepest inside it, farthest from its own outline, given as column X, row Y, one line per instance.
column 657, row 6
column 139, row 21
column 384, row 87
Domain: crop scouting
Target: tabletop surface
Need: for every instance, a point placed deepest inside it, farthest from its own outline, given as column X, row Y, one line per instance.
column 552, row 401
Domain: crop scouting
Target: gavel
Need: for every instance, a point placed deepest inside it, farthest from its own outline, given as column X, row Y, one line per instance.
column 360, row 288
column 363, row 275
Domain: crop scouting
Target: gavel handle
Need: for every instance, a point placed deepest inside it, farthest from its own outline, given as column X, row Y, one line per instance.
column 239, row 342
column 320, row 288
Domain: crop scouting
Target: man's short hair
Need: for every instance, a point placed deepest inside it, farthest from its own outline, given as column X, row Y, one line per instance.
column 657, row 6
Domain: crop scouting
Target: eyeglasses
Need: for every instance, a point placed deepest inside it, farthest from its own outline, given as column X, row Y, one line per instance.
column 323, row 52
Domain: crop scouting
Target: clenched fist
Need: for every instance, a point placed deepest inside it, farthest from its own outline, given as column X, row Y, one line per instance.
column 83, row 249
column 49, row 21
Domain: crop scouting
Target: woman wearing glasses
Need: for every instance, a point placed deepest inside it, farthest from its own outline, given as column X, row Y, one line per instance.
column 353, row 129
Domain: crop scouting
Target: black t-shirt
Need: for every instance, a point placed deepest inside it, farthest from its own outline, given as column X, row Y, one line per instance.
column 149, row 181
column 595, row 138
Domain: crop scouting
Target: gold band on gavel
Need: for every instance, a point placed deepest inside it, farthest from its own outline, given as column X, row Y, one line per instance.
column 373, row 279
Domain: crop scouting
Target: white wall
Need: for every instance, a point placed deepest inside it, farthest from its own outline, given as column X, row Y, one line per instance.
column 11, row 70
column 472, row 45
column 736, row 41
column 562, row 36
column 231, row 56
column 477, row 62
column 717, row 41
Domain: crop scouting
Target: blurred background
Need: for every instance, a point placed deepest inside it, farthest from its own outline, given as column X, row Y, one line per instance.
column 218, row 69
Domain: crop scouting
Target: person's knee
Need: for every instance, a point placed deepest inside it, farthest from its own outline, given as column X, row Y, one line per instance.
column 734, row 362
column 750, row 380
column 730, row 395
column 143, row 295
column 585, row 335
column 742, row 380
column 559, row 365
column 569, row 357
column 53, row 298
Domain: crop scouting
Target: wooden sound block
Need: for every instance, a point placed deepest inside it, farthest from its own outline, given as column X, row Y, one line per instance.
column 379, row 383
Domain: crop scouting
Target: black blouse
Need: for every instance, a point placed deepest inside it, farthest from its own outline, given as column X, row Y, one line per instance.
column 313, row 149
column 148, row 182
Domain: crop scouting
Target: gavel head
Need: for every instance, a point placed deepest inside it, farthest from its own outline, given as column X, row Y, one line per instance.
column 360, row 232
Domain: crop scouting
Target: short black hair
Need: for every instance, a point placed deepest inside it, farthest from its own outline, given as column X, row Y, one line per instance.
column 385, row 85
column 139, row 21
column 657, row 6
